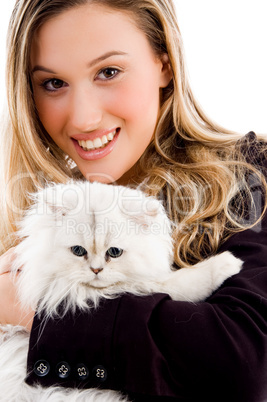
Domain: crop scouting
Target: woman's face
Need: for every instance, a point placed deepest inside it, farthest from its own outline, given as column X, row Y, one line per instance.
column 96, row 84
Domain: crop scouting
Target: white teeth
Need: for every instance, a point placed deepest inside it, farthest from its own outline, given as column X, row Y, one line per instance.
column 110, row 136
column 97, row 142
column 104, row 139
column 89, row 144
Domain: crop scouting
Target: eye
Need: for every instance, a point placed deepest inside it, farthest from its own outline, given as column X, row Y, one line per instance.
column 114, row 252
column 78, row 250
column 108, row 73
column 53, row 85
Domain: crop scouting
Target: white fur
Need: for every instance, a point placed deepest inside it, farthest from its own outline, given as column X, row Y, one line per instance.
column 95, row 216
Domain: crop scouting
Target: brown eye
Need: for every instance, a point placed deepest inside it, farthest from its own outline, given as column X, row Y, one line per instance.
column 53, row 85
column 79, row 251
column 114, row 252
column 108, row 73
column 57, row 84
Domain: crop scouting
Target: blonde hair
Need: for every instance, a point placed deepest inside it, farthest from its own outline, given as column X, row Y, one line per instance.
column 194, row 165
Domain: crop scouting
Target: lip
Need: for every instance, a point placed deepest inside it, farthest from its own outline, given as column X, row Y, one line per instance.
column 95, row 154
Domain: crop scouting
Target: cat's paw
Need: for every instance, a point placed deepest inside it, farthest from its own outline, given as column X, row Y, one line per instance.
column 224, row 265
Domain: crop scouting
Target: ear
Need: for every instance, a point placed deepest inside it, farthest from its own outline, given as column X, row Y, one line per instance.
column 50, row 201
column 153, row 209
column 166, row 71
column 57, row 210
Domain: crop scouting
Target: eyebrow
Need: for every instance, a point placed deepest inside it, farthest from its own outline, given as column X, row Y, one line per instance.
column 106, row 56
column 89, row 65
column 41, row 68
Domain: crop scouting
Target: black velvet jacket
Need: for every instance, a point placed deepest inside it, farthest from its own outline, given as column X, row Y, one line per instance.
column 157, row 349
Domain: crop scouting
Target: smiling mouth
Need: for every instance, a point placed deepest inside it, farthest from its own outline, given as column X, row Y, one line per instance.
column 97, row 143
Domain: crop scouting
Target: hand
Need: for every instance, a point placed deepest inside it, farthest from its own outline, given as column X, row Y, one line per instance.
column 11, row 311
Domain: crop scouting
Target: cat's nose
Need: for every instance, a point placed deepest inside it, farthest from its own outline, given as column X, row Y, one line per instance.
column 96, row 270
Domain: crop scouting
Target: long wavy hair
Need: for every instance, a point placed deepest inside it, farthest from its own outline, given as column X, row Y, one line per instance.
column 195, row 166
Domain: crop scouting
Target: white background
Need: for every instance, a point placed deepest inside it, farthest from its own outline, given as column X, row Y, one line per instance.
column 226, row 51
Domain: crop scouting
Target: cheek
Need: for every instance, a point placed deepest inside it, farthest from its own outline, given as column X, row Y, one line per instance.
column 51, row 114
column 135, row 103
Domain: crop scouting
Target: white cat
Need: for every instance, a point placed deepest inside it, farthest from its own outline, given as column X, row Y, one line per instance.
column 84, row 241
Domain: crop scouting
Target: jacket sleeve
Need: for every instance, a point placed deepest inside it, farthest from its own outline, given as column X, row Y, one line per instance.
column 155, row 346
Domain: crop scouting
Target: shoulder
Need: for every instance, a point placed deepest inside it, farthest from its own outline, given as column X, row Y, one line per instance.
column 254, row 150
column 251, row 244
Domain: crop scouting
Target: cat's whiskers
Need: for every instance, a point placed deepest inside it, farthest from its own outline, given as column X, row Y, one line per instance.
column 70, row 287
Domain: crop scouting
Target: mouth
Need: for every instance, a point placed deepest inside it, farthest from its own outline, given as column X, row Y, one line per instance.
column 97, row 143
column 98, row 147
column 95, row 284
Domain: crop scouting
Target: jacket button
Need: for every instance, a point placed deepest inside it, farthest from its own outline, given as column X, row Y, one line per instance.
column 63, row 370
column 82, row 372
column 100, row 373
column 41, row 368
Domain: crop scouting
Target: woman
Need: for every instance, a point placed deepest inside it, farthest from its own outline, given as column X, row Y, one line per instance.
column 98, row 89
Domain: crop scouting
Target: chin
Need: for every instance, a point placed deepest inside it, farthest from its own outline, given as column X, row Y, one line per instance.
column 99, row 177
column 120, row 178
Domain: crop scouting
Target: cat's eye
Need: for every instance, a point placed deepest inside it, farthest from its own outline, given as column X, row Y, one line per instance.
column 79, row 251
column 114, row 252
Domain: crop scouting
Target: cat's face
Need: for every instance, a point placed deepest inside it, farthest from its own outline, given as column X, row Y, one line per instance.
column 111, row 245
column 98, row 235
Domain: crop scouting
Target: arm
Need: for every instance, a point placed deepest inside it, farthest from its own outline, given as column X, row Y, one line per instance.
column 155, row 346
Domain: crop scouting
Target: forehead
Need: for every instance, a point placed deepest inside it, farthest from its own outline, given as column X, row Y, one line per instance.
column 94, row 27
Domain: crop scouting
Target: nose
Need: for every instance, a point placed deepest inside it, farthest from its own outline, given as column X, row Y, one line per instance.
column 96, row 270
column 85, row 110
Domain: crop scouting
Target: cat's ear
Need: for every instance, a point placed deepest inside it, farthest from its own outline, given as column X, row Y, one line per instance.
column 142, row 209
column 153, row 207
column 57, row 209
column 152, row 213
column 51, row 201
